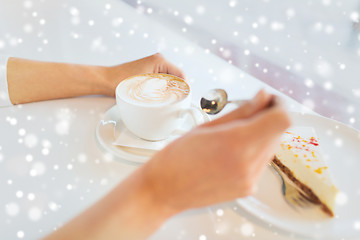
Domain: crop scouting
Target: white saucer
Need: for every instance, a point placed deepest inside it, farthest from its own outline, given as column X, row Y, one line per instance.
column 342, row 145
column 111, row 126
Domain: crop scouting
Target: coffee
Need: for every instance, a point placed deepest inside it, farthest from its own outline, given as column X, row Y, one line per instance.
column 152, row 106
column 153, row 89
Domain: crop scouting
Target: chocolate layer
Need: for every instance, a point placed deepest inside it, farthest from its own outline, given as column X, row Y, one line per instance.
column 310, row 195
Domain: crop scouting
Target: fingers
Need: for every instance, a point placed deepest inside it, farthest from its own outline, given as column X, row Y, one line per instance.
column 264, row 131
column 261, row 100
column 173, row 70
column 164, row 66
column 272, row 121
column 267, row 128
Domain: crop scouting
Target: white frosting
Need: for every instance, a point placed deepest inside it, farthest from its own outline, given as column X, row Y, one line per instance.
column 153, row 89
column 300, row 152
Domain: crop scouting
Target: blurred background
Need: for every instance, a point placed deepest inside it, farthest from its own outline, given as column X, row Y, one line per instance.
column 308, row 50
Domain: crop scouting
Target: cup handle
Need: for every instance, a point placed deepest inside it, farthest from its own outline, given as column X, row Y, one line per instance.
column 197, row 116
column 195, row 113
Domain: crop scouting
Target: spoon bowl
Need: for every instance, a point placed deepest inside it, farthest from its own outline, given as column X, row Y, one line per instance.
column 215, row 100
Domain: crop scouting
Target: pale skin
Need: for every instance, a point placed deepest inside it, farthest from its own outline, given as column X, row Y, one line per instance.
column 32, row 81
column 222, row 160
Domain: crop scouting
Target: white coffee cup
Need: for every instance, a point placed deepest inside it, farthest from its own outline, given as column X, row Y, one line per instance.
column 152, row 106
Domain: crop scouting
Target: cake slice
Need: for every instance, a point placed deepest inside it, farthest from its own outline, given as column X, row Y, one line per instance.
column 300, row 158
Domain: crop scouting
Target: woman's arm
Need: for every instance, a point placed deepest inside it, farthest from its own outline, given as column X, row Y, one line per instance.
column 129, row 212
column 31, row 81
column 216, row 162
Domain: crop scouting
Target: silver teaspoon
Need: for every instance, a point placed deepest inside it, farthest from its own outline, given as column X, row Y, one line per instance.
column 215, row 100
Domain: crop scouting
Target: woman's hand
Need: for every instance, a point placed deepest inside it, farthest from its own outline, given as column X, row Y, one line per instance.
column 152, row 64
column 220, row 160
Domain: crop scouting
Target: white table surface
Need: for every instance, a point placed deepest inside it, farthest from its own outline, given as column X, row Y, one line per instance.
column 51, row 166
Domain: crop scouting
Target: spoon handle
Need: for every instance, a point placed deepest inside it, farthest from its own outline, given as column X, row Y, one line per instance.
column 238, row 102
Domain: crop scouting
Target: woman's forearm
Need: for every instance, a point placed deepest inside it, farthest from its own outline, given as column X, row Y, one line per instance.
column 30, row 81
column 128, row 212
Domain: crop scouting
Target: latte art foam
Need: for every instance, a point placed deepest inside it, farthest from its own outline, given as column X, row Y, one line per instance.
column 154, row 89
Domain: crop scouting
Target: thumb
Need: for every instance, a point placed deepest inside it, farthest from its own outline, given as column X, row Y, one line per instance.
column 272, row 121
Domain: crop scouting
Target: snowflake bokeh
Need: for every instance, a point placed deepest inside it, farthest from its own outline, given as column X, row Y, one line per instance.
column 311, row 57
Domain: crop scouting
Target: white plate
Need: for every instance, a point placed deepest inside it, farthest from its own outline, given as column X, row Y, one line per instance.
column 109, row 128
column 342, row 144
